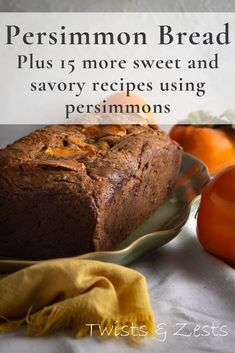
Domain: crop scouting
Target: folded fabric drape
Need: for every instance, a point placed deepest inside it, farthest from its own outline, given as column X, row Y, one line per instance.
column 86, row 296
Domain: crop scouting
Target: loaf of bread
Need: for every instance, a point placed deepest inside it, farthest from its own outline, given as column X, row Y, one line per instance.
column 71, row 189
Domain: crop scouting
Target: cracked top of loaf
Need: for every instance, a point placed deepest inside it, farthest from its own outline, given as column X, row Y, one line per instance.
column 94, row 158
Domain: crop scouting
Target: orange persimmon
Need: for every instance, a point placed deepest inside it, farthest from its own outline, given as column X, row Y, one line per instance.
column 214, row 146
column 120, row 98
column 216, row 216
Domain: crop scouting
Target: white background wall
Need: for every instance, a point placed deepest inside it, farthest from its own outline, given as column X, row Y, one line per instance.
column 119, row 5
column 9, row 133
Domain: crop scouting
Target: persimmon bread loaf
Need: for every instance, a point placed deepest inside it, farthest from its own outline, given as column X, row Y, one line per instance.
column 71, row 189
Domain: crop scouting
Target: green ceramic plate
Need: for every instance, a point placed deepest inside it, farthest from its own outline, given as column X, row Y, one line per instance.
column 158, row 230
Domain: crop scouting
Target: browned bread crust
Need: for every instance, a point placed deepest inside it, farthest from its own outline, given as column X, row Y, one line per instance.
column 67, row 190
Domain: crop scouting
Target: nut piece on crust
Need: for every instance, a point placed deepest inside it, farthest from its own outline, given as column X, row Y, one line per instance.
column 103, row 145
column 58, row 164
column 104, row 130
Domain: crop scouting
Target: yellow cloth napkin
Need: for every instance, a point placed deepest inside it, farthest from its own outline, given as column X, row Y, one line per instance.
column 83, row 295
